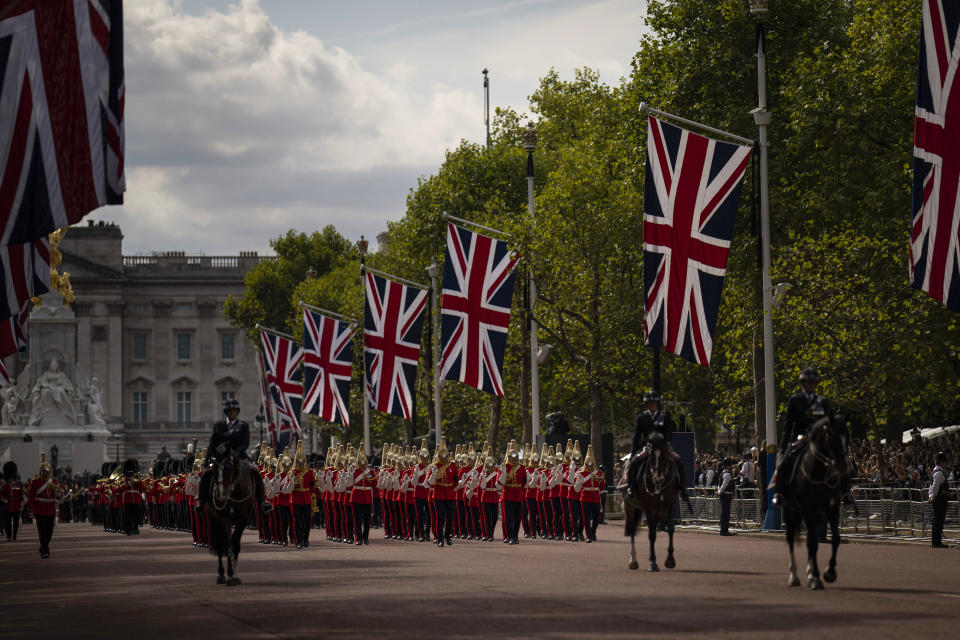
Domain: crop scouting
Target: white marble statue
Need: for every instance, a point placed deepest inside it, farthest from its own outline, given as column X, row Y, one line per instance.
column 52, row 393
column 12, row 405
column 93, row 402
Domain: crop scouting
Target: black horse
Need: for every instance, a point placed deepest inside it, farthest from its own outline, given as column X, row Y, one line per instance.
column 231, row 505
column 813, row 491
column 652, row 487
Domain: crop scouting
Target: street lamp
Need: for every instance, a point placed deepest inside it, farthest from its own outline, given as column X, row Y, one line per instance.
column 362, row 245
column 761, row 115
column 434, row 272
column 530, row 144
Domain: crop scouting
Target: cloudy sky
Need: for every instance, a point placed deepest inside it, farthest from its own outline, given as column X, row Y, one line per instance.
column 248, row 118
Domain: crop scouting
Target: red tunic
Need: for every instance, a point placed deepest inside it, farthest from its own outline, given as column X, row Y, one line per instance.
column 364, row 480
column 592, row 487
column 514, row 480
column 283, row 499
column 489, row 488
column 42, row 496
column 303, row 484
column 420, row 492
column 12, row 496
column 132, row 491
column 445, row 482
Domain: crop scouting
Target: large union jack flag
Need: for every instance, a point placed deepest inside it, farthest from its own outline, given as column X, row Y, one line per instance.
column 25, row 272
column 282, row 358
column 13, row 338
column 61, row 113
column 392, row 326
column 690, row 202
column 327, row 366
column 934, row 235
column 478, row 280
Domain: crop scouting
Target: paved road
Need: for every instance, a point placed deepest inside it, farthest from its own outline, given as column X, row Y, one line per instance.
column 158, row 585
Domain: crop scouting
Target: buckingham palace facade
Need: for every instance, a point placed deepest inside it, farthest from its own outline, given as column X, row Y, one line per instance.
column 151, row 329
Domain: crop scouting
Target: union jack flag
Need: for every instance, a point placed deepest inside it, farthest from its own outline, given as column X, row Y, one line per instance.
column 266, row 402
column 25, row 270
column 327, row 366
column 392, row 326
column 934, row 235
column 282, row 358
column 13, row 338
column 690, row 202
column 61, row 113
column 475, row 313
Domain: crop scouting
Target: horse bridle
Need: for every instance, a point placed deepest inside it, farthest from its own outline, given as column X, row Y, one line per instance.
column 229, row 491
column 832, row 475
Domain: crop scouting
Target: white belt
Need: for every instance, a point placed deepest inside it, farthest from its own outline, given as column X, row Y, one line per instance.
column 365, row 488
column 591, row 489
column 45, row 499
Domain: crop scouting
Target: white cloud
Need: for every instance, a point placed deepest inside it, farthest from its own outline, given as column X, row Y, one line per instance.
column 238, row 130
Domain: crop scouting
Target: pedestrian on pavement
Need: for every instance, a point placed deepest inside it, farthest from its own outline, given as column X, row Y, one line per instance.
column 725, row 491
column 938, row 497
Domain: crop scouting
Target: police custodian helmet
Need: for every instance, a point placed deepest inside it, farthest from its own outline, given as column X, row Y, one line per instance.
column 809, row 374
column 651, row 396
column 230, row 404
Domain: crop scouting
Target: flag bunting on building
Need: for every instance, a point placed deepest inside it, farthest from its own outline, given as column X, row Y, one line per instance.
column 478, row 277
column 61, row 114
column 282, row 358
column 690, row 202
column 392, row 326
column 327, row 366
column 935, row 228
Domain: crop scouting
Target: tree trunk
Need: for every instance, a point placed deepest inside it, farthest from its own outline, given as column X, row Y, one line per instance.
column 496, row 409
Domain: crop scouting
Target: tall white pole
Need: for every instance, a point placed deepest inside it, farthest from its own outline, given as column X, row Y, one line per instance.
column 367, row 445
column 530, row 143
column 433, row 271
column 762, row 117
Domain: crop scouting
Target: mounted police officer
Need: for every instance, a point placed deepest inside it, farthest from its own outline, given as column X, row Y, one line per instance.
column 803, row 410
column 648, row 422
column 230, row 434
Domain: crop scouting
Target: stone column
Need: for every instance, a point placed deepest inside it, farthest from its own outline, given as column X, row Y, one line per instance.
column 163, row 358
column 113, row 376
column 208, row 357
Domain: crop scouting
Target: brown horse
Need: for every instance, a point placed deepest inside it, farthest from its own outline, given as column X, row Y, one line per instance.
column 652, row 487
column 230, row 505
column 814, row 491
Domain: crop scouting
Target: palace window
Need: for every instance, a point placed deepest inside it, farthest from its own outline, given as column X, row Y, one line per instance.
column 184, row 407
column 139, row 407
column 183, row 346
column 139, row 347
column 227, row 344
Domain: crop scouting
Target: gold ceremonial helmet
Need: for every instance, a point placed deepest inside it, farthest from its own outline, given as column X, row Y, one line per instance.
column 543, row 455
column 361, row 460
column 443, row 453
column 558, row 454
column 513, row 454
column 471, row 455
column 568, row 452
column 424, row 453
column 575, row 453
column 263, row 453
column 589, row 463
column 286, row 462
column 44, row 471
column 490, row 463
column 300, row 458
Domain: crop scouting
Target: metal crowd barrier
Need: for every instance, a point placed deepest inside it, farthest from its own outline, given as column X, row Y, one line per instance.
column 880, row 511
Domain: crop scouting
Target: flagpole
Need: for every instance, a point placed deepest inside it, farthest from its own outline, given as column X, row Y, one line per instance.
column 761, row 115
column 433, row 271
column 663, row 115
column 530, row 143
column 367, row 447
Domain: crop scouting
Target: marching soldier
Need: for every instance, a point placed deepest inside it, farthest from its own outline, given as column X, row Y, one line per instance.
column 513, row 479
column 589, row 483
column 132, row 498
column 938, row 496
column 12, row 499
column 363, row 481
column 442, row 478
column 42, row 496
column 300, row 499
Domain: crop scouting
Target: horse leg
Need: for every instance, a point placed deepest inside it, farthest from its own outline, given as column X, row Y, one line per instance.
column 791, row 522
column 830, row 574
column 671, row 562
column 813, row 535
column 652, row 534
column 220, row 578
column 632, row 517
